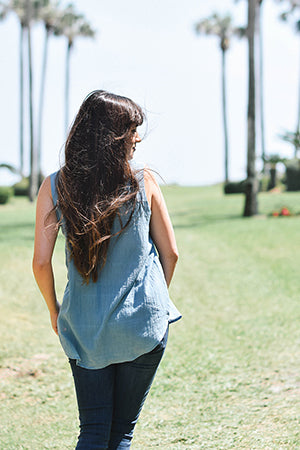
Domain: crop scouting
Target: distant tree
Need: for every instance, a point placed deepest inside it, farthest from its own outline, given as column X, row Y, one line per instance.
column 33, row 176
column 292, row 138
column 260, row 83
column 251, row 188
column 271, row 161
column 259, row 75
column 60, row 22
column 11, row 168
column 50, row 15
column 71, row 25
column 293, row 7
column 26, row 11
column 223, row 28
column 19, row 8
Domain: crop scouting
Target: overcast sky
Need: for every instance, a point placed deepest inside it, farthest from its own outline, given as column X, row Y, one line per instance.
column 149, row 52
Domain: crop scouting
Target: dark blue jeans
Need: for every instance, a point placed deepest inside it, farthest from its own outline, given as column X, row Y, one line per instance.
column 110, row 399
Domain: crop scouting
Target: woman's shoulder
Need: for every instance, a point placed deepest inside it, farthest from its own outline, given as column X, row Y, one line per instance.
column 146, row 180
column 143, row 173
column 48, row 187
column 45, row 188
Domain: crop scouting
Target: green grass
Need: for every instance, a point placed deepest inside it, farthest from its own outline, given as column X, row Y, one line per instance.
column 230, row 375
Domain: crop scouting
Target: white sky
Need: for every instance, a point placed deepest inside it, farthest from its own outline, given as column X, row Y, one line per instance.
column 149, row 52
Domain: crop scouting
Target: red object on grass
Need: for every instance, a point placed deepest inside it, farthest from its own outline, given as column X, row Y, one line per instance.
column 285, row 212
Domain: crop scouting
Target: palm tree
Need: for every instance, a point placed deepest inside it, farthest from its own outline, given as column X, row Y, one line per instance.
column 19, row 8
column 222, row 27
column 261, row 84
column 260, row 80
column 56, row 21
column 293, row 137
column 50, row 15
column 33, row 176
column 71, row 25
column 26, row 13
column 251, row 187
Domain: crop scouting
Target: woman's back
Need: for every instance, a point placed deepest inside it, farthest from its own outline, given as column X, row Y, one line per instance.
column 126, row 311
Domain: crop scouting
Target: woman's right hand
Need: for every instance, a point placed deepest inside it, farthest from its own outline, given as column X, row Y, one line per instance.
column 54, row 317
column 46, row 230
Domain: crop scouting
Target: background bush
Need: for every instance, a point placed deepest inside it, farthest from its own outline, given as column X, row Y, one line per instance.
column 292, row 178
column 5, row 193
column 235, row 187
column 238, row 187
column 21, row 188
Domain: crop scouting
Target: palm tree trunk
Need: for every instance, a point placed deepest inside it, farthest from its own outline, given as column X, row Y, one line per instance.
column 41, row 107
column 33, row 178
column 21, row 124
column 251, row 184
column 298, row 122
column 261, row 86
column 67, row 87
column 224, row 105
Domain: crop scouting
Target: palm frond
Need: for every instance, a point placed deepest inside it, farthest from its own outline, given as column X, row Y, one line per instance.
column 11, row 168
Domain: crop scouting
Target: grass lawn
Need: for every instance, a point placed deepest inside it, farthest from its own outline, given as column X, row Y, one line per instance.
column 230, row 375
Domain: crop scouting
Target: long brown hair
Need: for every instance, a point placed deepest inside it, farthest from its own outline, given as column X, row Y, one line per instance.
column 96, row 179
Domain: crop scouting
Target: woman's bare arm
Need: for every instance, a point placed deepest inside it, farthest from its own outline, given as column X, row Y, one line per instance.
column 44, row 242
column 161, row 229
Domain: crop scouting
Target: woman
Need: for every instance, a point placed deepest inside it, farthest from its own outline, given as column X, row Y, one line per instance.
column 120, row 254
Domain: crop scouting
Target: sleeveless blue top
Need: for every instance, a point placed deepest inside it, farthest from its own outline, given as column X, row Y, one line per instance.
column 126, row 312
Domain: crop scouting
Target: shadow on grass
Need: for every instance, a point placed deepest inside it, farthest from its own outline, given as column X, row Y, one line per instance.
column 181, row 219
column 18, row 231
column 188, row 219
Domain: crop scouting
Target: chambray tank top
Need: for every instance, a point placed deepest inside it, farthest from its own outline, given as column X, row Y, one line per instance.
column 126, row 312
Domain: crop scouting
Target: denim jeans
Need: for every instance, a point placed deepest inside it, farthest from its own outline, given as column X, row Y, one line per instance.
column 110, row 399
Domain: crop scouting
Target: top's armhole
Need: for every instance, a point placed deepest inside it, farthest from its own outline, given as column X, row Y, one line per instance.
column 53, row 178
column 140, row 175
